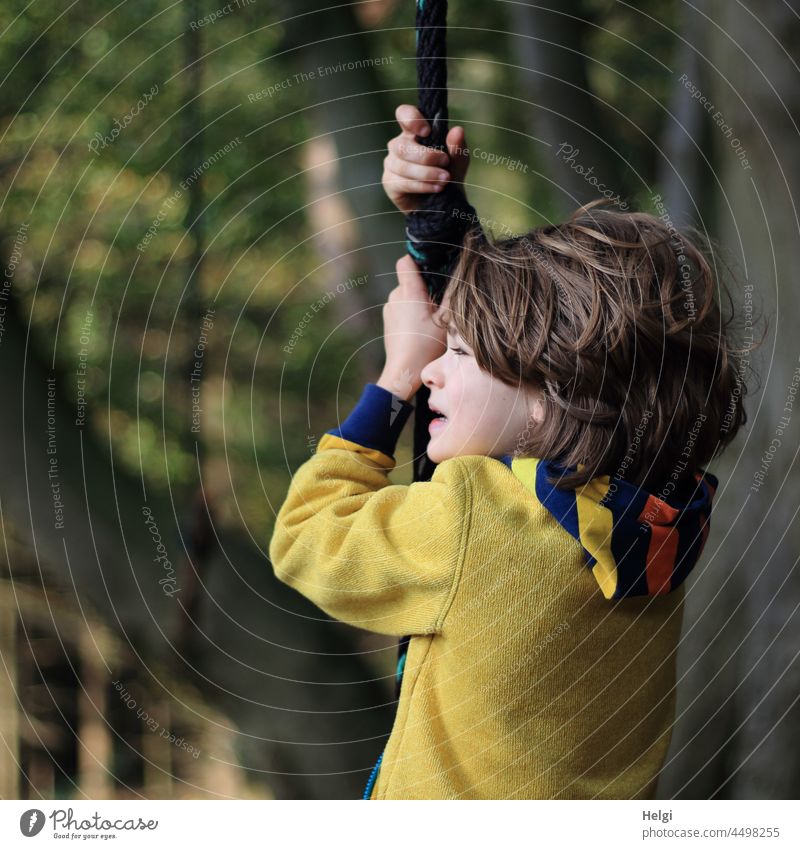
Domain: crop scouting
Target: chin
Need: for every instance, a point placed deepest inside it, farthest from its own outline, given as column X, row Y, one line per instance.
column 437, row 455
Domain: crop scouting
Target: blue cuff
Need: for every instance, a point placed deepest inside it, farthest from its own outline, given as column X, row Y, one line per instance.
column 376, row 421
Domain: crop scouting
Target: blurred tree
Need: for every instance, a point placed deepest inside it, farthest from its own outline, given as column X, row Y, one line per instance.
column 738, row 709
column 551, row 46
column 98, row 302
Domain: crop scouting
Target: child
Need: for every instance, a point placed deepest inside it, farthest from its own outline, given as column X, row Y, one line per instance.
column 586, row 381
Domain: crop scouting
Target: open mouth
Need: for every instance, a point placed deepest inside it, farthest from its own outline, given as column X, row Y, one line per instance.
column 437, row 415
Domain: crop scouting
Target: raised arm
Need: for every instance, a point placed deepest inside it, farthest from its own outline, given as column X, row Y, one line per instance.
column 379, row 556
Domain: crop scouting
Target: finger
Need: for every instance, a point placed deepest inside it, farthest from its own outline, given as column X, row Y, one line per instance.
column 456, row 142
column 459, row 152
column 404, row 186
column 410, row 151
column 406, row 264
column 411, row 120
column 410, row 279
column 412, row 171
column 407, row 269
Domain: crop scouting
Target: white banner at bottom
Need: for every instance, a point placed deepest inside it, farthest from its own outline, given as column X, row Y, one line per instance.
column 599, row 824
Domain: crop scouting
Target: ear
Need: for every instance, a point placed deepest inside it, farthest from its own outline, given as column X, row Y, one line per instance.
column 536, row 406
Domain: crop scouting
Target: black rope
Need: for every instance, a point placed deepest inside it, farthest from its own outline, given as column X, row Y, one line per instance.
column 435, row 231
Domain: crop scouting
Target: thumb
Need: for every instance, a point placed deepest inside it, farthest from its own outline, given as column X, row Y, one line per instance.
column 459, row 153
column 408, row 273
column 410, row 279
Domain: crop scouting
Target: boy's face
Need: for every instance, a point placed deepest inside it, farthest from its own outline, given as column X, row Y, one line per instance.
column 483, row 415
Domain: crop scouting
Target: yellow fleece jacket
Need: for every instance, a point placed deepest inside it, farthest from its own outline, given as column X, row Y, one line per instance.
column 543, row 624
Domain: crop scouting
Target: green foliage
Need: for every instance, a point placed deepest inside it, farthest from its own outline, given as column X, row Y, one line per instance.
column 92, row 196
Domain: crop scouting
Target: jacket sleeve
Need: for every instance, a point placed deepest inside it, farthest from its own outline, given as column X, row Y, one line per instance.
column 379, row 556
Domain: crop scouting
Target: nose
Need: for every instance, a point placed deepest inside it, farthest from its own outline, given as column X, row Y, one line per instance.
column 431, row 374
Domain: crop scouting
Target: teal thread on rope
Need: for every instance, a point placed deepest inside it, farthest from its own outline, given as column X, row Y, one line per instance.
column 401, row 665
column 419, row 257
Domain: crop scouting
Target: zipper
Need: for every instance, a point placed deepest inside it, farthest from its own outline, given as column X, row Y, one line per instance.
column 401, row 665
column 372, row 777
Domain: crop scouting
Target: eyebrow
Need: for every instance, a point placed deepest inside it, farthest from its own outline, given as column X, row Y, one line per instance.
column 452, row 331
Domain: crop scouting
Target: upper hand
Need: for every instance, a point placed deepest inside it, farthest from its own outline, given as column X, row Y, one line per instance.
column 411, row 169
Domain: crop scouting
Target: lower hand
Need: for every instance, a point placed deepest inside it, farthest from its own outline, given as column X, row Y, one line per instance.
column 410, row 336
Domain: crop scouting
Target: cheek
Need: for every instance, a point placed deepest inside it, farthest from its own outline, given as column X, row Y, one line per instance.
column 469, row 392
column 454, row 384
column 502, row 409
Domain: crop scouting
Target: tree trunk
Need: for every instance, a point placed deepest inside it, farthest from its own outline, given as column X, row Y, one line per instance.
column 350, row 105
column 735, row 735
column 564, row 113
column 681, row 157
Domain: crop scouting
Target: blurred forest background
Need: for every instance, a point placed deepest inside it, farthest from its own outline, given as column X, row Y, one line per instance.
column 196, row 247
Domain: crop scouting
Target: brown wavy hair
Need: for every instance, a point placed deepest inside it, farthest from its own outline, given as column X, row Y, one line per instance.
column 615, row 318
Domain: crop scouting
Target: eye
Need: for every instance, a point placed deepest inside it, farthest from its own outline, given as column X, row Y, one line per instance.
column 459, row 352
